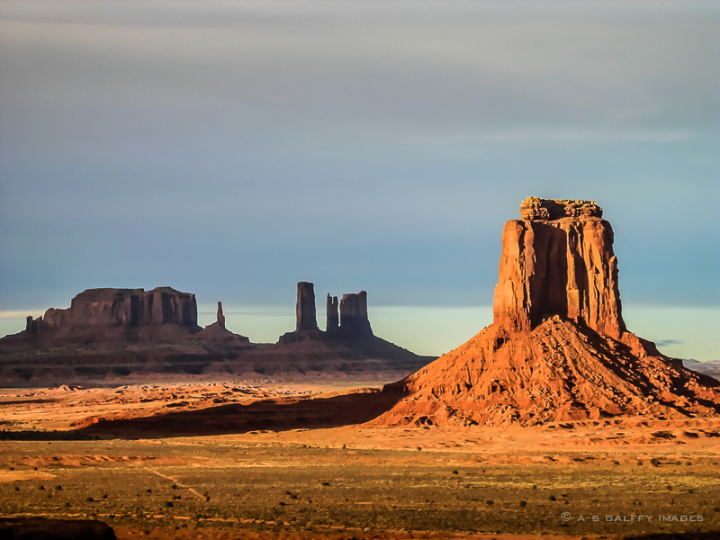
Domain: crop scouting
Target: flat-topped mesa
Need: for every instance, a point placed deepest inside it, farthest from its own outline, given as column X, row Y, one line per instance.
column 333, row 318
column 123, row 307
column 354, row 322
column 558, row 260
column 305, row 307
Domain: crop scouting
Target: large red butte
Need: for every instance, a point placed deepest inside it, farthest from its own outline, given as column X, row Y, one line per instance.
column 558, row 349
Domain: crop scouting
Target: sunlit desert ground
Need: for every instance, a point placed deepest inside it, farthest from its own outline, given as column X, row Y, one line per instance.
column 258, row 460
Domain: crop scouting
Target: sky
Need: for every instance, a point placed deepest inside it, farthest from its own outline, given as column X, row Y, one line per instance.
column 234, row 148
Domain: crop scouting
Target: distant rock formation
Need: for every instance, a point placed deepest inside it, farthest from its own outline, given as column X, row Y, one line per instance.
column 305, row 307
column 346, row 320
column 711, row 368
column 558, row 349
column 220, row 316
column 31, row 325
column 354, row 322
column 558, row 260
column 217, row 332
column 124, row 334
column 122, row 307
column 333, row 318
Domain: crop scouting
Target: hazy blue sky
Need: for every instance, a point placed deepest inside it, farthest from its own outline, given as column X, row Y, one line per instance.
column 233, row 148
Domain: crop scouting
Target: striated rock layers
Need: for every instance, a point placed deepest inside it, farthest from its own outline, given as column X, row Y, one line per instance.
column 558, row 349
column 558, row 260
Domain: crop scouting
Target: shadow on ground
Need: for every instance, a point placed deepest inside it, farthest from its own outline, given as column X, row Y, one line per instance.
column 276, row 415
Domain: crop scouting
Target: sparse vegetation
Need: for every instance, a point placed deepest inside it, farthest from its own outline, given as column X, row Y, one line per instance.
column 413, row 490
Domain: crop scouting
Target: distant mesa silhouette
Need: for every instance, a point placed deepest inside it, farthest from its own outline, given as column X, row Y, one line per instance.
column 120, row 333
column 347, row 320
column 558, row 348
column 128, row 308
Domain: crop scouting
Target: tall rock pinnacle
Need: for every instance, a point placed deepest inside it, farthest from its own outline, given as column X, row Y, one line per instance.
column 558, row 260
column 220, row 316
column 333, row 319
column 305, row 307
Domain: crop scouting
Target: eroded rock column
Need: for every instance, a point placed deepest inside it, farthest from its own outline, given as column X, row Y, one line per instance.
column 558, row 260
column 333, row 317
column 354, row 320
column 305, row 307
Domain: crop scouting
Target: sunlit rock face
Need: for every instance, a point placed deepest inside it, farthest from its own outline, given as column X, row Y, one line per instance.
column 558, row 349
column 558, row 259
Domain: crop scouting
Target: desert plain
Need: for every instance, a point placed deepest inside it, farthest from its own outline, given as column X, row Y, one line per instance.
column 257, row 459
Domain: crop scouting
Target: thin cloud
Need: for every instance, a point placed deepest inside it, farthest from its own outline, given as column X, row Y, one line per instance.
column 564, row 135
column 668, row 342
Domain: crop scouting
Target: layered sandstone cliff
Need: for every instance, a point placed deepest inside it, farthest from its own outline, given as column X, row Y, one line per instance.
column 122, row 308
column 558, row 260
column 558, row 349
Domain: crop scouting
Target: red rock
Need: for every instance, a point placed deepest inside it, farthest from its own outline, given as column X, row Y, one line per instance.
column 124, row 307
column 354, row 322
column 333, row 317
column 558, row 349
column 220, row 317
column 305, row 307
column 558, row 260
column 101, row 347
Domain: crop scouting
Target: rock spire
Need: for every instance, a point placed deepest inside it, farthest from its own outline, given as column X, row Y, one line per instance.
column 333, row 318
column 220, row 316
column 305, row 307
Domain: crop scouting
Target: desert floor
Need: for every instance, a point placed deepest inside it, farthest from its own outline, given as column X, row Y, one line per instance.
column 258, row 460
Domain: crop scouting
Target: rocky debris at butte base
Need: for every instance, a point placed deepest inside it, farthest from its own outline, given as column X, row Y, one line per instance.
column 558, row 349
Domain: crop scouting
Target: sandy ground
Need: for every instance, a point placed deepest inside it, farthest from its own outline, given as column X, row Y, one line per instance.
column 164, row 419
